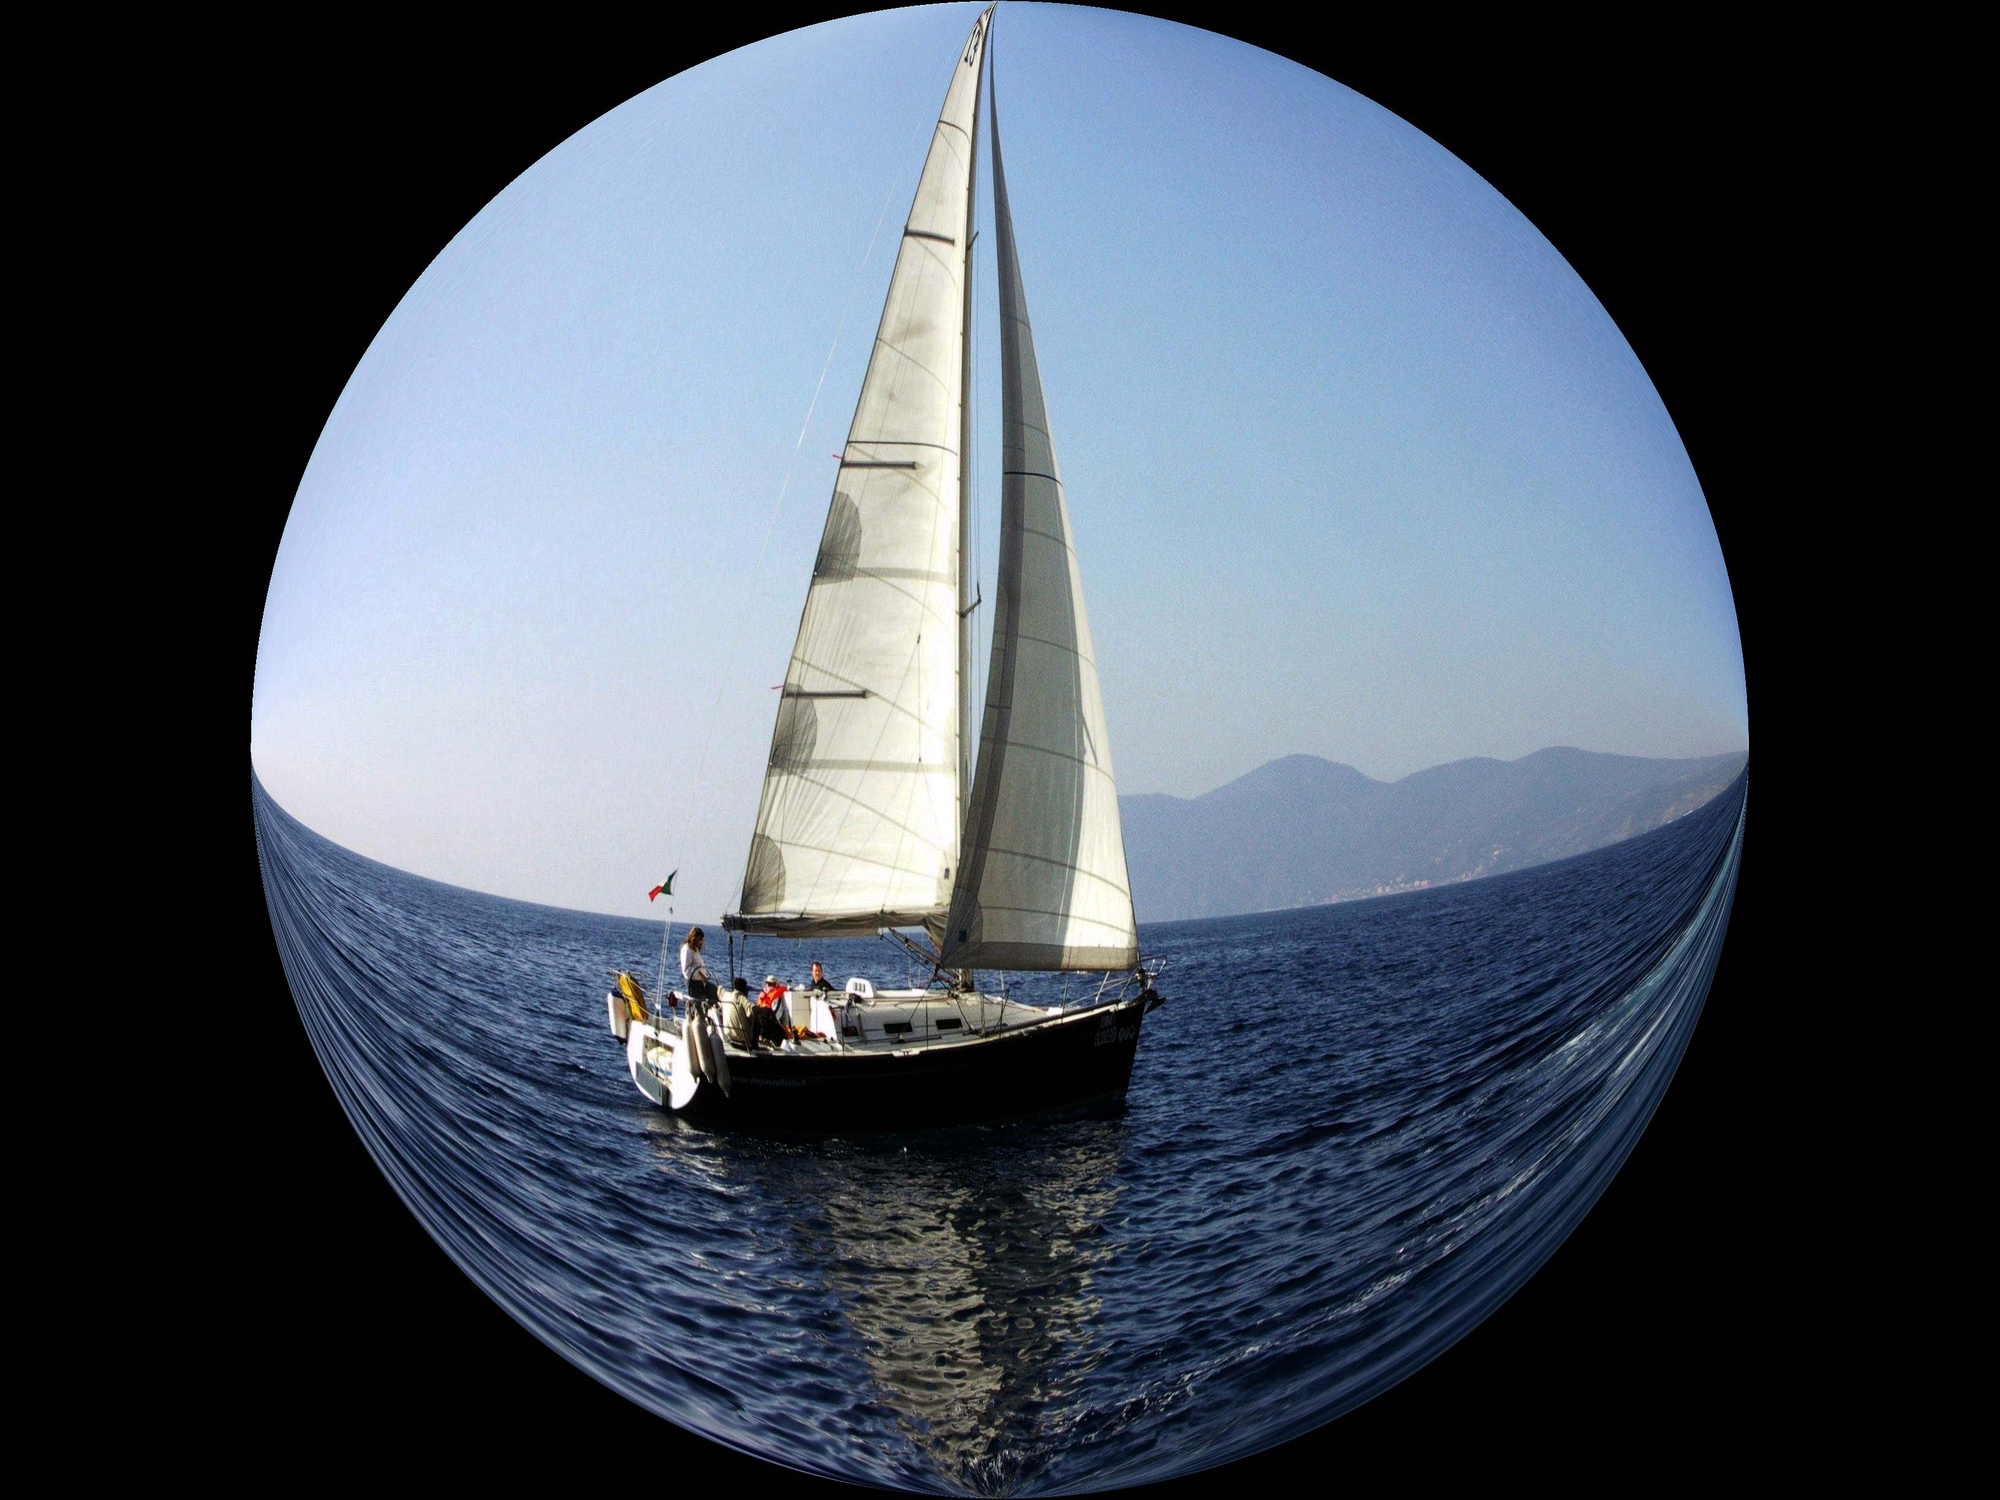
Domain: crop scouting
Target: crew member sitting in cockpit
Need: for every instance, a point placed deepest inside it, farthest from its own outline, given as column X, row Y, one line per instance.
column 764, row 1022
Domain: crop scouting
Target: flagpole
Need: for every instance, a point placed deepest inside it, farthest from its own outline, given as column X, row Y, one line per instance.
column 665, row 888
column 660, row 977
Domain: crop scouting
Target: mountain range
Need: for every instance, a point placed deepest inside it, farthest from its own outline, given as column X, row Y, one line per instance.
column 1301, row 831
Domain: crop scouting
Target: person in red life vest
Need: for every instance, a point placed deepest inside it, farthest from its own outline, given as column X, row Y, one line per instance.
column 764, row 1022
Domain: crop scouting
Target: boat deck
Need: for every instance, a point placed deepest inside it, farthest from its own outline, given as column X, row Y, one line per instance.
column 893, row 1020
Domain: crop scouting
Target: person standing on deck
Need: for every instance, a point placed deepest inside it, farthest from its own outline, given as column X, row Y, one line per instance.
column 694, row 972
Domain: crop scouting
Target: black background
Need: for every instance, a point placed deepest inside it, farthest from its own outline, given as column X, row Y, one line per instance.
column 341, row 163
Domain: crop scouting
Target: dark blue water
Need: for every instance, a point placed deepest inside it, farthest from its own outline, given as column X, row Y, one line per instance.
column 1351, row 1132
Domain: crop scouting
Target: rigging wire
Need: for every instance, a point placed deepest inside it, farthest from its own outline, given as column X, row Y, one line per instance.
column 770, row 525
column 666, row 942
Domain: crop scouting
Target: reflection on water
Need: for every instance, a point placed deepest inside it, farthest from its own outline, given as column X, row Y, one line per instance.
column 960, row 1269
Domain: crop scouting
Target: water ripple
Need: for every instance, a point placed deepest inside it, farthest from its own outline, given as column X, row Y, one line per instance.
column 1351, row 1133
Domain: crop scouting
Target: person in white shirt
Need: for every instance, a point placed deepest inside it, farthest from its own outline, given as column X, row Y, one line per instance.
column 694, row 972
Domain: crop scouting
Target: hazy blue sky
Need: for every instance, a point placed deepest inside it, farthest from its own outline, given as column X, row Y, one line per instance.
column 1357, row 466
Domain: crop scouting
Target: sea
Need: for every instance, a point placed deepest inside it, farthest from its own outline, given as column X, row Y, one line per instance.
column 1352, row 1131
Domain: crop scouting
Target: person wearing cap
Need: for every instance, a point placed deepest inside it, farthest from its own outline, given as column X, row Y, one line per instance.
column 764, row 1022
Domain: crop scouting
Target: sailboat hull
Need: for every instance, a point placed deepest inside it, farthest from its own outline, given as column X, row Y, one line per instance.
column 1082, row 1058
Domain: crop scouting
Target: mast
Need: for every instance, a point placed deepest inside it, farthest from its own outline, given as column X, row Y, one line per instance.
column 965, row 451
column 1042, row 883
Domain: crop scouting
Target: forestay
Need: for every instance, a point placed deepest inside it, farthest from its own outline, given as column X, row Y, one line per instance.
column 1044, row 884
column 859, row 824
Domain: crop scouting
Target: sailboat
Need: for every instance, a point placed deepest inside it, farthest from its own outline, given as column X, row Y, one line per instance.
column 871, row 819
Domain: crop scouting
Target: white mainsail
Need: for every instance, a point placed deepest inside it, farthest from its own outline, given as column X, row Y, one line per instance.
column 861, row 814
column 1043, row 884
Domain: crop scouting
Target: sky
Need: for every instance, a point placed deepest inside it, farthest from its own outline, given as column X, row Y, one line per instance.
column 1356, row 464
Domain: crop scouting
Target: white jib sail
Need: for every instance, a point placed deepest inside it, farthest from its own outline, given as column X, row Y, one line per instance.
column 1044, row 884
column 859, row 823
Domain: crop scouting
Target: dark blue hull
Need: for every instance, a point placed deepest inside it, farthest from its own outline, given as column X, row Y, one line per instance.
column 1072, row 1060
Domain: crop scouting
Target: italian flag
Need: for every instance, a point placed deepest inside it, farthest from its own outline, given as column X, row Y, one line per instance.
column 665, row 887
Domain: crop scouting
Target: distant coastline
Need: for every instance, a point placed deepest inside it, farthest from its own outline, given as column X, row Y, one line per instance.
column 1304, row 831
